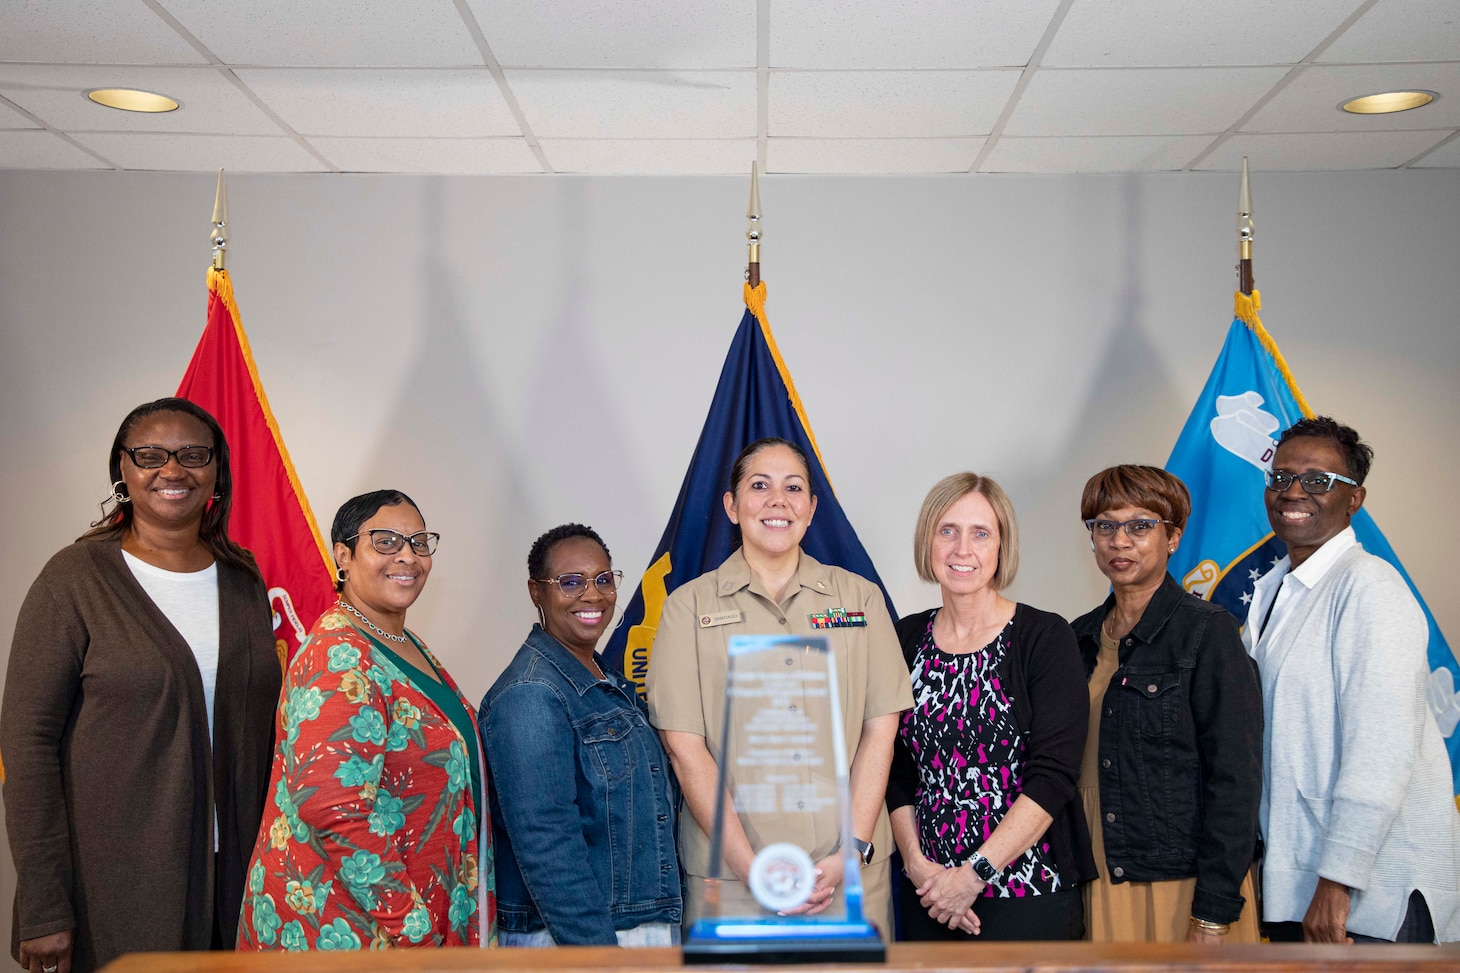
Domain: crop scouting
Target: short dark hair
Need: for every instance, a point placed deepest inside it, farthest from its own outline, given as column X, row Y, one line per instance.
column 1129, row 485
column 213, row 531
column 767, row 442
column 537, row 557
column 355, row 511
column 1358, row 454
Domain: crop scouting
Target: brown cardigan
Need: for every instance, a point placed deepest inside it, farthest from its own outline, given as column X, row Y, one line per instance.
column 109, row 775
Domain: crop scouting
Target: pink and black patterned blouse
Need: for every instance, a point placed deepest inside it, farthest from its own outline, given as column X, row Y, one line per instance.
column 969, row 751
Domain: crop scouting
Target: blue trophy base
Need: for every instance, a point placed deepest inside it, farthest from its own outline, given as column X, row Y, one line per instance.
column 789, row 939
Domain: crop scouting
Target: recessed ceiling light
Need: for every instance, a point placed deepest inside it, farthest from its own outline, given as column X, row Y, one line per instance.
column 1388, row 101
column 130, row 99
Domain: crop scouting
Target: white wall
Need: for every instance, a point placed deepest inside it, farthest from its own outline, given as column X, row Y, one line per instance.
column 517, row 352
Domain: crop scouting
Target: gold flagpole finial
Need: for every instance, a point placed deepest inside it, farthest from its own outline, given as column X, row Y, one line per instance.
column 752, row 272
column 220, row 223
column 1244, row 233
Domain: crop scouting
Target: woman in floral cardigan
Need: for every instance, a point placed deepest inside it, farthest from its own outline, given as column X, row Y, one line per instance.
column 371, row 839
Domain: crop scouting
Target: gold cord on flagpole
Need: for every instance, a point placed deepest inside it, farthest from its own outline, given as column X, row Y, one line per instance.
column 220, row 224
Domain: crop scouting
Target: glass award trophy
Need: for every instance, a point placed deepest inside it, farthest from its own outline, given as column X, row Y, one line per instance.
column 784, row 780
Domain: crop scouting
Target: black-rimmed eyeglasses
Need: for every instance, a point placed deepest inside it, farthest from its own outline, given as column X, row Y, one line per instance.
column 1313, row 484
column 574, row 585
column 155, row 457
column 387, row 541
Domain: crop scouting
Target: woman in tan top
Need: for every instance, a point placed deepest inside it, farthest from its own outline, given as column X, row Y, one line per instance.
column 770, row 586
column 1173, row 763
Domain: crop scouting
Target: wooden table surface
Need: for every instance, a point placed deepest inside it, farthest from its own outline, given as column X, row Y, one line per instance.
column 925, row 957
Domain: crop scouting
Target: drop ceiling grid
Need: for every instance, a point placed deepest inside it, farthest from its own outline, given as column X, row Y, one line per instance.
column 664, row 86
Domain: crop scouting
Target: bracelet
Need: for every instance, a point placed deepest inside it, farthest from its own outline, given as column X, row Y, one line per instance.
column 1214, row 928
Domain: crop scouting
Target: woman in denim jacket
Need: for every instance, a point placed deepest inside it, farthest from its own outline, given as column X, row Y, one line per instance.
column 1173, row 764
column 582, row 798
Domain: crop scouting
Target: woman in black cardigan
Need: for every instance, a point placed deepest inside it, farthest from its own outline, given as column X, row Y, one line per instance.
column 982, row 793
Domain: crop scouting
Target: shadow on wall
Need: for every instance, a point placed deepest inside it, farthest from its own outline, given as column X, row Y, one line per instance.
column 1130, row 390
column 445, row 445
column 575, row 412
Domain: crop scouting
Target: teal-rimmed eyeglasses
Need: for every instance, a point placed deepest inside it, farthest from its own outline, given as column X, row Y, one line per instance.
column 1313, row 484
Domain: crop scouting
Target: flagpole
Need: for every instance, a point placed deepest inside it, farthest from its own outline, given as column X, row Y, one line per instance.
column 220, row 223
column 1244, row 234
column 752, row 270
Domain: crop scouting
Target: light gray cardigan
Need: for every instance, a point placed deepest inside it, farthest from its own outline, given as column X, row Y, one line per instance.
column 1356, row 779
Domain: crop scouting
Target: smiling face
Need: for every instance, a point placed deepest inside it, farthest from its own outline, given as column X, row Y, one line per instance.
column 383, row 586
column 174, row 495
column 1131, row 562
column 578, row 622
column 1305, row 522
column 772, row 502
column 965, row 548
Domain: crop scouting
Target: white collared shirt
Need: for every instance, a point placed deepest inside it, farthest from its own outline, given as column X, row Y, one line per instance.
column 1258, row 636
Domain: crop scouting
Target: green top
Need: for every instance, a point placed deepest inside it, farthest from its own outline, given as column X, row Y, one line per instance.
column 448, row 702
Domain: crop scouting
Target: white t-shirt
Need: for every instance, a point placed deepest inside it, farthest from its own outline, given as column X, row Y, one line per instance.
column 190, row 602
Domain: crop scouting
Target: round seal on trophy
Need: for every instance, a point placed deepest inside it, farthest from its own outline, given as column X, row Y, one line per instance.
column 782, row 876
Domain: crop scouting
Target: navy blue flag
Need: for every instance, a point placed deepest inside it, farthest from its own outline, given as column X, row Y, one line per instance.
column 754, row 399
column 1223, row 455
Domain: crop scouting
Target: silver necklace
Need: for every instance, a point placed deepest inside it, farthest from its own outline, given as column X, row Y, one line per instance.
column 373, row 627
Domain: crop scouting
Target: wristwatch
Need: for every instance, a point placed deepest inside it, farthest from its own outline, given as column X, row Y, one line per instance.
column 864, row 850
column 983, row 868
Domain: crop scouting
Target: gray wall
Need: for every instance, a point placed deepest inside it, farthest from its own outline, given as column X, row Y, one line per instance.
column 517, row 352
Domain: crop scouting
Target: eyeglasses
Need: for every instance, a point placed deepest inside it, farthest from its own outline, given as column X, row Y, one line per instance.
column 1136, row 529
column 387, row 541
column 155, row 457
column 574, row 585
column 1313, row 484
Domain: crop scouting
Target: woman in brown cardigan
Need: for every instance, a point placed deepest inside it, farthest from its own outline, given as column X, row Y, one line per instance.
column 138, row 712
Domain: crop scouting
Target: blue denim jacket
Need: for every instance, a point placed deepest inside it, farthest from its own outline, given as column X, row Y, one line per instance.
column 583, row 800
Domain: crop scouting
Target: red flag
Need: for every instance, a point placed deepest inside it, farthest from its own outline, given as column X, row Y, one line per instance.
column 270, row 516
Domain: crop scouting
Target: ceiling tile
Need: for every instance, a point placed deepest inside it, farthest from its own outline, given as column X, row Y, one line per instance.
column 1446, row 156
column 1323, row 151
column 38, row 149
column 906, row 33
column 1113, row 33
column 202, row 153
column 454, row 156
column 879, row 104
column 619, row 33
column 10, row 118
column 871, row 156
column 1401, row 30
column 1155, row 101
column 210, row 102
column 636, row 104
column 651, row 156
column 364, row 102
column 337, row 33
column 1132, row 153
column 1310, row 102
column 89, row 31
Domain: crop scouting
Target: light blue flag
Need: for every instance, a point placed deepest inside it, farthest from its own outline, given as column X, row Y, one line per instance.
column 1222, row 456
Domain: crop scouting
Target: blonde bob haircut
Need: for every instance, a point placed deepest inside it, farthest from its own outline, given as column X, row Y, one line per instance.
column 945, row 493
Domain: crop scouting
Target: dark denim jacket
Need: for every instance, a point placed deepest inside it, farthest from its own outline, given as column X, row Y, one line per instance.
column 583, row 800
column 1180, row 749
